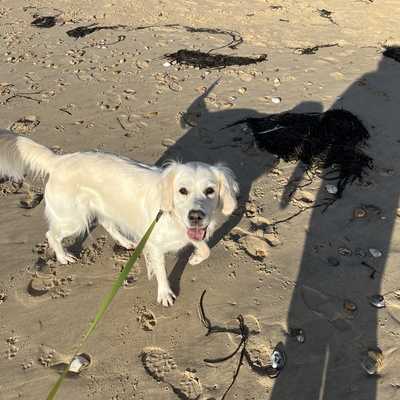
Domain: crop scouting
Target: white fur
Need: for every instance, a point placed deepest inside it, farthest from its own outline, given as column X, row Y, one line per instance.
column 124, row 197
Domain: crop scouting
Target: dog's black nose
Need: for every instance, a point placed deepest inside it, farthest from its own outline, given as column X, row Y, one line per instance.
column 196, row 216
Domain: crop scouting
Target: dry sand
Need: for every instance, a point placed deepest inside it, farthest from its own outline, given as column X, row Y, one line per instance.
column 111, row 91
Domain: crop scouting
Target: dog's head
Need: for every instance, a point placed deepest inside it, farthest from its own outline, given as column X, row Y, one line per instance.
column 193, row 192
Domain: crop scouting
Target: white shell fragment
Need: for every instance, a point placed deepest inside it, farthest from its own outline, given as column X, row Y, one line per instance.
column 377, row 301
column 375, row 253
column 332, row 189
column 276, row 100
column 277, row 360
column 79, row 362
column 372, row 362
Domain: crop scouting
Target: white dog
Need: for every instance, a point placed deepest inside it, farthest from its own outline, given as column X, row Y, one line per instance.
column 124, row 197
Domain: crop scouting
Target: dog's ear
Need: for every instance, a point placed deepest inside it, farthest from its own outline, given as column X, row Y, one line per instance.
column 167, row 187
column 228, row 189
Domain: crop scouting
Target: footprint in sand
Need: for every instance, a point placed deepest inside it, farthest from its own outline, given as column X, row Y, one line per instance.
column 90, row 254
column 25, row 125
column 147, row 319
column 31, row 200
column 9, row 187
column 162, row 366
column 332, row 308
column 258, row 347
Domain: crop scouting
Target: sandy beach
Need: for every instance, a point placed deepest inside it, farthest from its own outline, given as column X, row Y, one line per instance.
column 301, row 278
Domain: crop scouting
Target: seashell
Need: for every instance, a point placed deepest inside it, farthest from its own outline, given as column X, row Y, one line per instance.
column 276, row 100
column 79, row 363
column 332, row 189
column 372, row 362
column 375, row 253
column 278, row 359
column 377, row 300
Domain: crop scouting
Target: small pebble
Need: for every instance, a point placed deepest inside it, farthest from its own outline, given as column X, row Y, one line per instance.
column 359, row 213
column 167, row 64
column 349, row 306
column 276, row 100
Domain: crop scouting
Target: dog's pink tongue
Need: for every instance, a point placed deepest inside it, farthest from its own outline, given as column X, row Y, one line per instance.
column 196, row 233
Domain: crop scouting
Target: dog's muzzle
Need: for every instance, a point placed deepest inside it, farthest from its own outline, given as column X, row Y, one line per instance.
column 196, row 231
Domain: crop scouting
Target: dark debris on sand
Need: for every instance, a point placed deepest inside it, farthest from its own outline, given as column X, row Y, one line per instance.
column 82, row 31
column 333, row 139
column 314, row 49
column 392, row 52
column 199, row 59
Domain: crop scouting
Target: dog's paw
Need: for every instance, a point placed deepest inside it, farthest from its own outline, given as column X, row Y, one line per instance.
column 196, row 259
column 166, row 297
column 66, row 258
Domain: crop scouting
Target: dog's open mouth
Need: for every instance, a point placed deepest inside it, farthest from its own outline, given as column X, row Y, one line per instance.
column 196, row 233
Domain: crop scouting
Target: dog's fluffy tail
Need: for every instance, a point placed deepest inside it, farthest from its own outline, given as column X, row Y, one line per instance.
column 20, row 156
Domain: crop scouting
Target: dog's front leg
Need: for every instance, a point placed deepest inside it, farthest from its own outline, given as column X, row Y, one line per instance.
column 155, row 261
column 201, row 253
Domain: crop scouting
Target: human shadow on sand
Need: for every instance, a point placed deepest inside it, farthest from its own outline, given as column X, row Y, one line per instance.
column 328, row 365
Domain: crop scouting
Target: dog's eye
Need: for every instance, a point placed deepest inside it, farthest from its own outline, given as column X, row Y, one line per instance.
column 183, row 191
column 209, row 191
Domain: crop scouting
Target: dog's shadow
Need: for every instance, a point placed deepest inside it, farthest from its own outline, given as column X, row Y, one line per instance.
column 208, row 141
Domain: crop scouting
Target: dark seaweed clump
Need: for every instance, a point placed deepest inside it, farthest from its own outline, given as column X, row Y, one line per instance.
column 199, row 59
column 334, row 139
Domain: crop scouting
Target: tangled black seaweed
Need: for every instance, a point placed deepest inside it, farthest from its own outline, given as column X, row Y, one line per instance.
column 244, row 332
column 331, row 140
